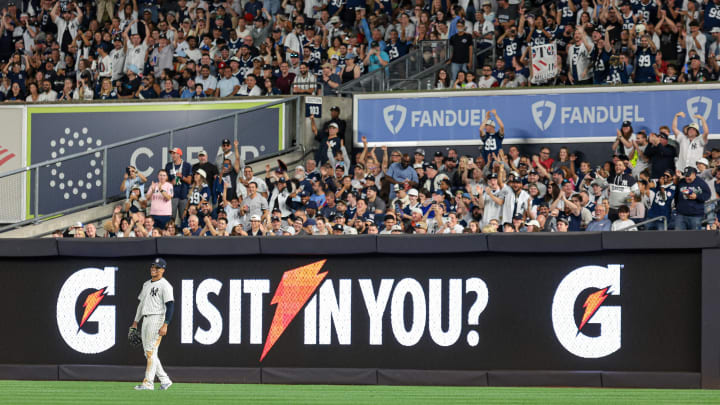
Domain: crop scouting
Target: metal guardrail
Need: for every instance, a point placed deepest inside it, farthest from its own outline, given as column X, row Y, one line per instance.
column 426, row 55
column 656, row 219
column 290, row 163
column 35, row 168
column 426, row 78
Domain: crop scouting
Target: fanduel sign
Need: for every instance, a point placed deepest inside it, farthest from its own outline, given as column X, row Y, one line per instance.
column 593, row 116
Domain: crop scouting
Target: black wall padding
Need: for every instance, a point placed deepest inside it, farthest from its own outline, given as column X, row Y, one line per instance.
column 120, row 247
column 90, row 372
column 459, row 378
column 354, row 376
column 461, row 243
column 617, row 379
column 318, row 245
column 223, row 375
column 28, row 372
column 28, row 247
column 545, row 242
column 660, row 240
column 709, row 325
column 215, row 246
column 544, row 378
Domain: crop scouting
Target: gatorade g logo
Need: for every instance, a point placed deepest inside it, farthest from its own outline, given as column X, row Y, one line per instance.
column 85, row 289
column 571, row 332
column 390, row 117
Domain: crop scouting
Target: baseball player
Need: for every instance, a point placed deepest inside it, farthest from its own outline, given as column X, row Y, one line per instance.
column 155, row 310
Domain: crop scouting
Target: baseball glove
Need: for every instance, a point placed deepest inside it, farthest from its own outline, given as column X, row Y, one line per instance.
column 134, row 337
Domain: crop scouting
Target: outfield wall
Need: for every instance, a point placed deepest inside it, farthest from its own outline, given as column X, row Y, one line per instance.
column 592, row 309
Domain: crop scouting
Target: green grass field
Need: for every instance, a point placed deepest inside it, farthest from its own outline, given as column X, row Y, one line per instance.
column 77, row 392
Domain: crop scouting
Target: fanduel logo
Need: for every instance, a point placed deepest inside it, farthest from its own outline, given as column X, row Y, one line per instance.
column 538, row 113
column 695, row 107
column 390, row 117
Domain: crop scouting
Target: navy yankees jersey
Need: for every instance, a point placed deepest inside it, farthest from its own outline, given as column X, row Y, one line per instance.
column 396, row 50
column 568, row 16
column 334, row 6
column 628, row 21
column 510, row 48
column 491, row 143
column 617, row 75
column 646, row 12
column 317, row 54
column 644, row 61
column 499, row 75
column 538, row 37
column 246, row 67
column 662, row 203
column 712, row 16
column 198, row 194
column 601, row 57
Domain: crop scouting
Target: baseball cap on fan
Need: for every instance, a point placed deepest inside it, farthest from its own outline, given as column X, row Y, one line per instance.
column 176, row 150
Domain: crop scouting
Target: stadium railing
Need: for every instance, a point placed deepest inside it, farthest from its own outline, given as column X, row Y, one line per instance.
column 426, row 55
column 34, row 169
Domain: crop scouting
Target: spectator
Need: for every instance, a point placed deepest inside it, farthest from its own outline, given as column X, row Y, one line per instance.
column 623, row 221
column 160, row 195
column 229, row 85
column 352, row 70
column 690, row 141
column 660, row 154
column 601, row 222
column 622, row 189
column 305, row 82
column 462, row 48
column 180, row 175
column 491, row 138
column 131, row 178
column 377, row 58
column 442, row 80
column 691, row 195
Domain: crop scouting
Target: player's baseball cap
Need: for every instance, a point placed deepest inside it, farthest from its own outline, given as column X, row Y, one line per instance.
column 159, row 262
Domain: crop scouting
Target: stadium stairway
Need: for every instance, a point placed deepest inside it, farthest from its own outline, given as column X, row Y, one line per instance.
column 99, row 214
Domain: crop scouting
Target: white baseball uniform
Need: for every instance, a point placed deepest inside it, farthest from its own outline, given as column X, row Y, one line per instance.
column 151, row 310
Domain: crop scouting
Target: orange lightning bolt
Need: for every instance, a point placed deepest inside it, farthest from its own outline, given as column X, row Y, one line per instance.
column 91, row 302
column 592, row 303
column 295, row 289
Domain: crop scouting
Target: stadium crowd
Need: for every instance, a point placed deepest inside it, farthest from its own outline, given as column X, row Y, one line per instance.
column 144, row 49
column 669, row 174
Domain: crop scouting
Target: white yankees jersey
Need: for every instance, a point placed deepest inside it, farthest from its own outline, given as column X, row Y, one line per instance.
column 153, row 296
column 118, row 63
column 105, row 67
column 135, row 56
column 578, row 59
column 690, row 151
